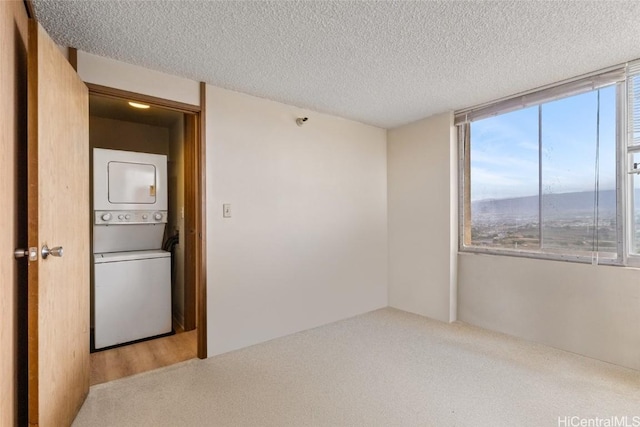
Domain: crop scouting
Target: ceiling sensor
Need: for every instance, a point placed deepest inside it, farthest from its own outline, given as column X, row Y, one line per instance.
column 300, row 120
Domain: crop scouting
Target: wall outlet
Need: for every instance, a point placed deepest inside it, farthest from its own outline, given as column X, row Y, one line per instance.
column 226, row 210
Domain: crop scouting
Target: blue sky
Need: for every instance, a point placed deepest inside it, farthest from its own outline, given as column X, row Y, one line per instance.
column 504, row 149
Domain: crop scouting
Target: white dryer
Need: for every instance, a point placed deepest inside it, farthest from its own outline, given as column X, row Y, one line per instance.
column 129, row 181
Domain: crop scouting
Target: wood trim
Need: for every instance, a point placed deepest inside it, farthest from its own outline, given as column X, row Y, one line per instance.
column 201, row 272
column 191, row 135
column 72, row 53
column 31, row 13
column 32, row 215
column 147, row 99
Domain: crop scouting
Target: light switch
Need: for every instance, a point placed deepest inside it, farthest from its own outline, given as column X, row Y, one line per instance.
column 226, row 210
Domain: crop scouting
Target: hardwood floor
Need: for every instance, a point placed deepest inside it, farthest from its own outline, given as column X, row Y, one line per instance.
column 145, row 356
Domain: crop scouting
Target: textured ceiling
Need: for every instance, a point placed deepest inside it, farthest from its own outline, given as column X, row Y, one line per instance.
column 381, row 63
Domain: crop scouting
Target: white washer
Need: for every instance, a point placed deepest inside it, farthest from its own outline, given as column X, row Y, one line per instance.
column 132, row 296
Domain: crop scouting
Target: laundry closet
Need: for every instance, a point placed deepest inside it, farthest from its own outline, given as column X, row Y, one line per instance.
column 137, row 215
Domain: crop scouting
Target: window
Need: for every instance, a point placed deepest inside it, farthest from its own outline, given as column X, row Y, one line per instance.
column 540, row 172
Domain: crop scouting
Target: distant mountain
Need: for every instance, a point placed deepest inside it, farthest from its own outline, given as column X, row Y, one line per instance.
column 554, row 206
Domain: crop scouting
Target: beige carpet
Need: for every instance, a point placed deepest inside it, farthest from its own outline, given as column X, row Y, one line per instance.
column 385, row 368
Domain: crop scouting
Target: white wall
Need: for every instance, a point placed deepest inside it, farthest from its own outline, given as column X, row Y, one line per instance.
column 590, row 310
column 585, row 309
column 111, row 73
column 307, row 241
column 422, row 170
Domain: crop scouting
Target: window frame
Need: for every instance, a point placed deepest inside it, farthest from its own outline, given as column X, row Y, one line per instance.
column 576, row 86
column 627, row 151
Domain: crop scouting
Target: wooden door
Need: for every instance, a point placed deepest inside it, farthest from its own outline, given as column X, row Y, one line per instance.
column 58, row 212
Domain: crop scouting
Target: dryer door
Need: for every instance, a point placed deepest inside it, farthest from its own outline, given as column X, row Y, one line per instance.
column 131, row 183
column 127, row 181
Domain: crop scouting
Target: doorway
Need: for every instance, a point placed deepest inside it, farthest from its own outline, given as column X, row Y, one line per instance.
column 172, row 130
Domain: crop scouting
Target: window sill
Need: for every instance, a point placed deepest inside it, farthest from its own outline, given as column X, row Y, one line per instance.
column 549, row 256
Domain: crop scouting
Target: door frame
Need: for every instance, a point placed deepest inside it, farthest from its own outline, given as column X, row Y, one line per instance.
column 195, row 200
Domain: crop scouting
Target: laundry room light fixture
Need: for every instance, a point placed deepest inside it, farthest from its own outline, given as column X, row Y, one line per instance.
column 138, row 105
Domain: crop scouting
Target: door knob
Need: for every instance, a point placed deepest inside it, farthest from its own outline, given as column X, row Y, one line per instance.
column 57, row 251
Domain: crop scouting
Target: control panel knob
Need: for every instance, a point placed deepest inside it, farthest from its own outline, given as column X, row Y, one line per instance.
column 120, row 216
column 157, row 216
column 127, row 216
column 106, row 216
column 145, row 216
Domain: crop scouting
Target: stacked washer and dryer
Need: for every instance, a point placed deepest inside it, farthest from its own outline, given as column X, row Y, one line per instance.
column 132, row 274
